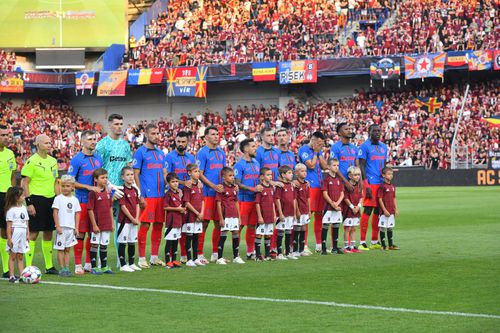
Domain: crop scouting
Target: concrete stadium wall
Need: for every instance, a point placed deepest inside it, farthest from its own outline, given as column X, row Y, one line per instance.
column 148, row 103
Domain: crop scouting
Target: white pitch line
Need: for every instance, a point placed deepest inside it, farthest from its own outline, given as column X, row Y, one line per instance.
column 279, row 300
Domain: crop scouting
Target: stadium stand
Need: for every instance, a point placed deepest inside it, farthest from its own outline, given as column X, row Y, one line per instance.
column 218, row 32
column 53, row 117
column 7, row 61
column 435, row 26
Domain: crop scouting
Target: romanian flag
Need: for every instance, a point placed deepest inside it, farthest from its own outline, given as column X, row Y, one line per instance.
column 145, row 76
column 264, row 71
column 494, row 121
column 429, row 104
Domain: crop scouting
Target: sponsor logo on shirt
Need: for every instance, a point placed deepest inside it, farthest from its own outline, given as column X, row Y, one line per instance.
column 117, row 159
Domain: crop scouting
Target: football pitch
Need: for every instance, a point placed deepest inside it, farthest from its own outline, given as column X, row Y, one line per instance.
column 444, row 279
column 62, row 23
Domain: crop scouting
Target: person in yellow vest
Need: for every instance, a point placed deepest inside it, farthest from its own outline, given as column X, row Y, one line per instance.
column 39, row 181
column 132, row 42
column 8, row 166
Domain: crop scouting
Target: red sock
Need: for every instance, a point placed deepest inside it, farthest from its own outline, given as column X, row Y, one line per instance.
column 363, row 227
column 215, row 239
column 201, row 243
column 375, row 228
column 78, row 249
column 142, row 238
column 87, row 250
column 318, row 224
column 182, row 244
column 156, row 238
column 250, row 239
column 273, row 240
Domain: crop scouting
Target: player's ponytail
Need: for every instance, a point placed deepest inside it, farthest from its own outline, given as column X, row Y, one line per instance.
column 12, row 196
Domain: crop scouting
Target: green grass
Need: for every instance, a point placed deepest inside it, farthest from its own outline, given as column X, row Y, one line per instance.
column 449, row 262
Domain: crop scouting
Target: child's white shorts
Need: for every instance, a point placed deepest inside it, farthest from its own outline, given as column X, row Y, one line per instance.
column 173, row 234
column 287, row 224
column 192, row 228
column 303, row 220
column 127, row 233
column 19, row 242
column 386, row 222
column 66, row 239
column 332, row 216
column 101, row 238
column 230, row 224
column 265, row 229
column 351, row 222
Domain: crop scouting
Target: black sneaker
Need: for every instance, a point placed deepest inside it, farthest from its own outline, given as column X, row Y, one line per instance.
column 5, row 275
column 259, row 258
column 251, row 256
column 13, row 279
column 324, row 253
column 52, row 271
column 337, row 251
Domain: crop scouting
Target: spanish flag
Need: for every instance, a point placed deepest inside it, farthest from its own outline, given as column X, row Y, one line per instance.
column 493, row 121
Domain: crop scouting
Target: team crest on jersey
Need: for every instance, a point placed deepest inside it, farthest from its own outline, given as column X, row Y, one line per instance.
column 198, row 163
column 70, row 169
column 11, row 166
column 69, row 205
column 134, row 162
column 235, row 172
column 54, row 173
column 305, row 155
column 22, row 216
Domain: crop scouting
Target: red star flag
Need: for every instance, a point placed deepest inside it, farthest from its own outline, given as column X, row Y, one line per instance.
column 425, row 65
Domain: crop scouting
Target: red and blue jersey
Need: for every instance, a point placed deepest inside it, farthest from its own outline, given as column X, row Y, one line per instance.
column 211, row 162
column 286, row 158
column 269, row 158
column 82, row 167
column 375, row 156
column 151, row 163
column 177, row 163
column 248, row 174
column 346, row 154
column 315, row 175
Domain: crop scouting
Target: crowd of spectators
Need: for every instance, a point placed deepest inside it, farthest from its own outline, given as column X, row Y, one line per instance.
column 195, row 32
column 7, row 61
column 414, row 137
column 431, row 26
column 54, row 117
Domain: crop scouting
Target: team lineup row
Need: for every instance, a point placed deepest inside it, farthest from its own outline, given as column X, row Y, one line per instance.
column 265, row 187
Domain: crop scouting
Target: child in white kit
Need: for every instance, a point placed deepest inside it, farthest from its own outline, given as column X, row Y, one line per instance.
column 66, row 210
